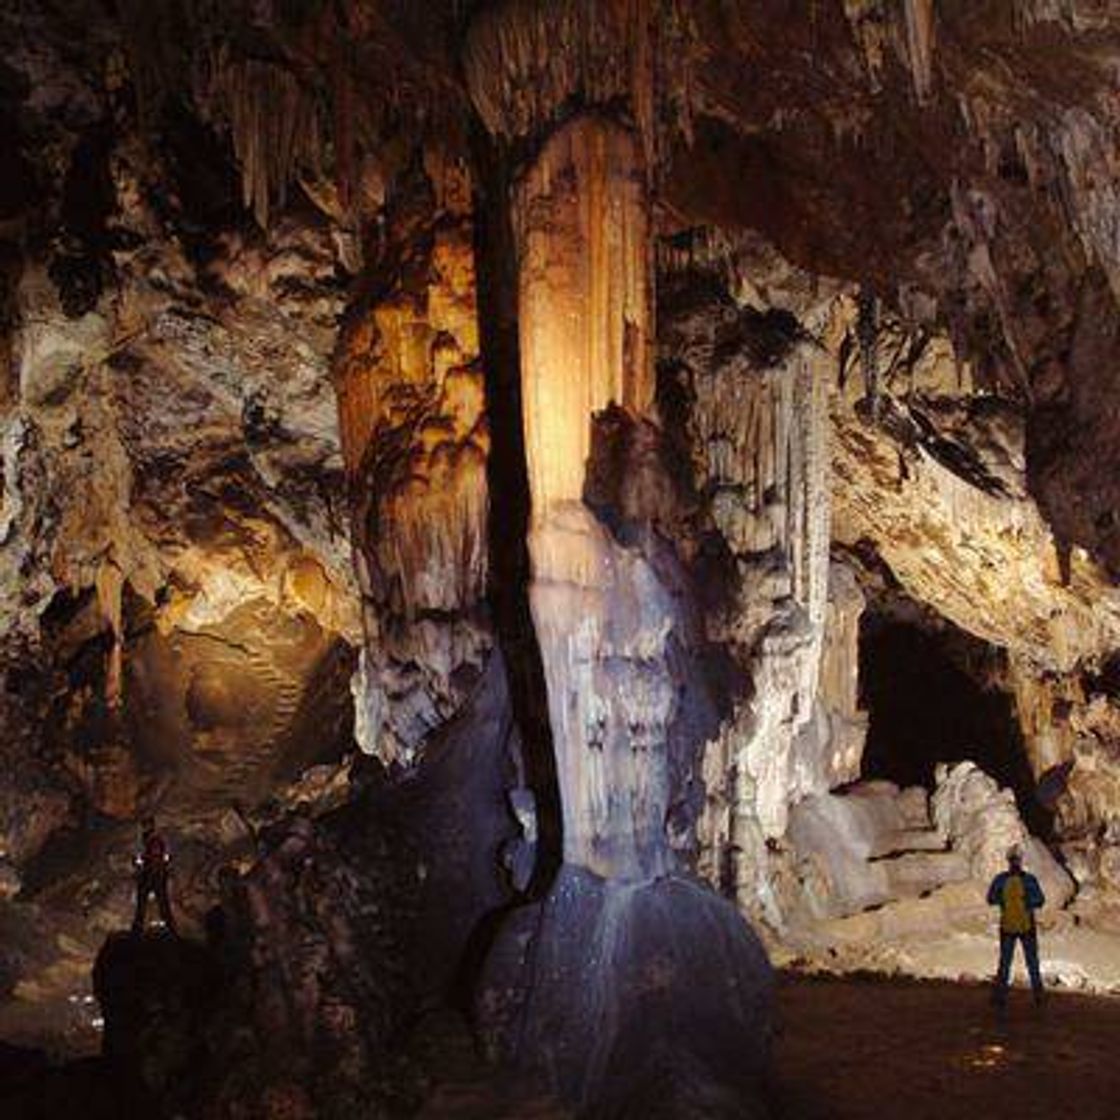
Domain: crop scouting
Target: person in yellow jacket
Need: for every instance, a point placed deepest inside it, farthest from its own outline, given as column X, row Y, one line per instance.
column 1018, row 895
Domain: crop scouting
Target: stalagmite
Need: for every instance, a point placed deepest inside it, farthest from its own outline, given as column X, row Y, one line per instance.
column 581, row 219
column 606, row 619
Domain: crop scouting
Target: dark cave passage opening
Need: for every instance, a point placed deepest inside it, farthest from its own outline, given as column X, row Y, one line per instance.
column 933, row 695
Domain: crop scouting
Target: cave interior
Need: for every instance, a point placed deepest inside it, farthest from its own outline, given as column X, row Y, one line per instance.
column 563, row 536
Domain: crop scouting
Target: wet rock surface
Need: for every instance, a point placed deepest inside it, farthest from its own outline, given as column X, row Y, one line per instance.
column 633, row 998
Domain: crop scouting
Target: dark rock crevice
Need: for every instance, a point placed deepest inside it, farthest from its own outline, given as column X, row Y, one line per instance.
column 507, row 474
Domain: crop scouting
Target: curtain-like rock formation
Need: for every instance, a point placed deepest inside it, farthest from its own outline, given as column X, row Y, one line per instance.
column 414, row 435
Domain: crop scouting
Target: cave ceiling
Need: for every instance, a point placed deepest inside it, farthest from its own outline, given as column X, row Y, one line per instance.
column 963, row 151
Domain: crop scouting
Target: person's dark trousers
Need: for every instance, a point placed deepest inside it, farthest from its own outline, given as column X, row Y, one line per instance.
column 148, row 885
column 1006, row 954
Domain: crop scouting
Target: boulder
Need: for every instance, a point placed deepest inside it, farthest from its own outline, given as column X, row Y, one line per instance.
column 157, row 993
column 633, row 999
column 982, row 822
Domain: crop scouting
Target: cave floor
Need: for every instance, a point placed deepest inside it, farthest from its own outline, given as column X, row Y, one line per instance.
column 852, row 1048
column 876, row 1048
column 866, row 1048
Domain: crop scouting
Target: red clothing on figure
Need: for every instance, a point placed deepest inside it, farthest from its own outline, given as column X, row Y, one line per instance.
column 153, row 865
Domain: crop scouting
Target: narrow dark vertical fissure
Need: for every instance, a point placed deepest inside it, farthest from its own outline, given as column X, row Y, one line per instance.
column 508, row 478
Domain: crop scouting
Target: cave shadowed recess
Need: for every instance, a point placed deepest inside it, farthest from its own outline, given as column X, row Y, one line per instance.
column 932, row 696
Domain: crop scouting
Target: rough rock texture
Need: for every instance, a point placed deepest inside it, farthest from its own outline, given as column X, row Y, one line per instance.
column 949, row 468
column 980, row 820
column 951, row 164
column 874, row 845
column 609, row 611
column 157, row 994
column 947, row 520
column 640, row 998
column 313, row 944
column 292, row 1005
column 950, row 517
column 410, row 392
column 749, row 381
column 176, row 591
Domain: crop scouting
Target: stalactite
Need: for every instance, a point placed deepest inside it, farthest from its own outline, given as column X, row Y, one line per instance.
column 920, row 44
column 344, row 109
column 867, row 329
column 302, row 89
column 110, row 585
column 527, row 63
column 975, row 219
column 703, row 249
column 274, row 124
column 1085, row 146
column 525, row 60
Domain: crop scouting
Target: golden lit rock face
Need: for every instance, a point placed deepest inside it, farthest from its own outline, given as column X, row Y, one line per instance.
column 581, row 218
column 415, row 442
column 414, row 437
column 977, row 550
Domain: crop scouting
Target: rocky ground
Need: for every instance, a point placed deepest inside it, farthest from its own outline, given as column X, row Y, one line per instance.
column 856, row 1048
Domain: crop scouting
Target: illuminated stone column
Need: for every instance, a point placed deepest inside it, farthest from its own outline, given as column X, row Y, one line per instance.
column 567, row 985
column 581, row 218
column 581, row 221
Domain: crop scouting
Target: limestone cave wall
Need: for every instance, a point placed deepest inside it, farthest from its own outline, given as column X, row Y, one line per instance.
column 457, row 462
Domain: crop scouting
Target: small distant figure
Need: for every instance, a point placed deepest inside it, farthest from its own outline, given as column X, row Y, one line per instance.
column 153, row 869
column 1018, row 895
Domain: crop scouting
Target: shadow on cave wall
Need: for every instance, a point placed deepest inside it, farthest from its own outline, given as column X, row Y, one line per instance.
column 933, row 695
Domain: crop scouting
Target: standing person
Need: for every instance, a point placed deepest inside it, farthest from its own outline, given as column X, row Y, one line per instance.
column 153, row 868
column 1018, row 895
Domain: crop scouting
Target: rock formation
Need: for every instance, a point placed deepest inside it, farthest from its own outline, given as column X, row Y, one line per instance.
column 509, row 484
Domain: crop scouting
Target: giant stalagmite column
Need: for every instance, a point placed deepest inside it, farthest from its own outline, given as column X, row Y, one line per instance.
column 626, row 961
column 581, row 224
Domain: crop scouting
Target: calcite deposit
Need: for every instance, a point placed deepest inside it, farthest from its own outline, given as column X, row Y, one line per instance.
column 554, row 506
